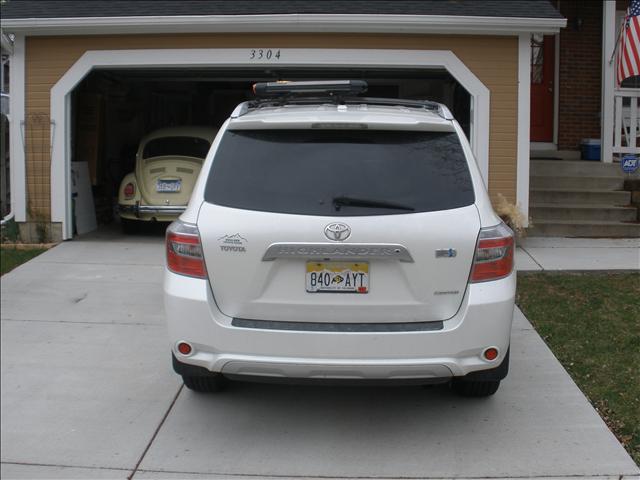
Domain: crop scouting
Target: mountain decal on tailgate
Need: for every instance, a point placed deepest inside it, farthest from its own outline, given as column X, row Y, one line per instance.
column 233, row 243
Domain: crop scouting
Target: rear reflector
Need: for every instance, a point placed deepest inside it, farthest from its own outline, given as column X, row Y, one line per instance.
column 184, row 348
column 491, row 353
column 184, row 251
column 494, row 254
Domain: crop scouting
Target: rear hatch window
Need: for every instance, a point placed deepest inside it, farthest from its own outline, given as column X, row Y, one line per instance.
column 178, row 146
column 340, row 172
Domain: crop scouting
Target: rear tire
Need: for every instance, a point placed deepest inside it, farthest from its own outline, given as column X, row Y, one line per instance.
column 201, row 384
column 470, row 388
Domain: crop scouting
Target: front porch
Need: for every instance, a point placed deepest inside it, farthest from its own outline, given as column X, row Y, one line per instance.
column 568, row 194
column 573, row 197
column 578, row 198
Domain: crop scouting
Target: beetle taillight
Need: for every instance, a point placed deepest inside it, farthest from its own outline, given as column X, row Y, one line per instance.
column 494, row 254
column 184, row 250
column 129, row 191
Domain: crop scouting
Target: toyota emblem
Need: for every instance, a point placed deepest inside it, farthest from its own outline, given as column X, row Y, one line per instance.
column 337, row 231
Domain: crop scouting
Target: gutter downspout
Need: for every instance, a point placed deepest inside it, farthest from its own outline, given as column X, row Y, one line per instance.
column 8, row 218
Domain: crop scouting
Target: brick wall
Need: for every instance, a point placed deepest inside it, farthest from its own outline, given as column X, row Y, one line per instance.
column 580, row 73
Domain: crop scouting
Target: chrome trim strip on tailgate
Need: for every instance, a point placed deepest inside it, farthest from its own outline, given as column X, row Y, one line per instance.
column 338, row 327
column 330, row 251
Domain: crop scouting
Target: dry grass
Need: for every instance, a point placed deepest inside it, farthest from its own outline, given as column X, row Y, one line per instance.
column 511, row 215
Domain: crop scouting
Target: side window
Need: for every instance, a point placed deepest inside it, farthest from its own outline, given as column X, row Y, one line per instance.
column 537, row 58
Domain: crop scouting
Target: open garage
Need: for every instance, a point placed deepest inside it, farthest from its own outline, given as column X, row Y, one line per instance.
column 109, row 100
column 111, row 110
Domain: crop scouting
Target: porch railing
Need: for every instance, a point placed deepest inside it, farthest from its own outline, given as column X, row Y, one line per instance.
column 626, row 133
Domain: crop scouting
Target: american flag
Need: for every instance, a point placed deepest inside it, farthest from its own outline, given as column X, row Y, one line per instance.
column 628, row 59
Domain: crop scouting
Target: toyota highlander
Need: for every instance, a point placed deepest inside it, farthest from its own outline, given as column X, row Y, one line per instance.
column 339, row 238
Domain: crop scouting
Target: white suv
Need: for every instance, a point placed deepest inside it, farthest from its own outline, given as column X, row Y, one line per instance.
column 340, row 238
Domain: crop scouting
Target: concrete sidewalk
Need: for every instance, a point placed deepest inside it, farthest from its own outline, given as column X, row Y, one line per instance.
column 88, row 392
column 575, row 254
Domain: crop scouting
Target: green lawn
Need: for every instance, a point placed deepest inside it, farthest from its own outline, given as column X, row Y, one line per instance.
column 10, row 258
column 592, row 324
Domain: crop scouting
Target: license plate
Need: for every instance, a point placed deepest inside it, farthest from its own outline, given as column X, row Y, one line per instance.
column 168, row 186
column 341, row 277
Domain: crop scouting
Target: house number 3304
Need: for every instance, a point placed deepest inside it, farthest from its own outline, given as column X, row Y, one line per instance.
column 264, row 54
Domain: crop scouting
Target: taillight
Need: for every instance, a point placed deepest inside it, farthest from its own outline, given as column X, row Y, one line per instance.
column 494, row 254
column 184, row 251
column 129, row 191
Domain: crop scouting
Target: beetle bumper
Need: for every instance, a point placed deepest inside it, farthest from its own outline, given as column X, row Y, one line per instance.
column 145, row 210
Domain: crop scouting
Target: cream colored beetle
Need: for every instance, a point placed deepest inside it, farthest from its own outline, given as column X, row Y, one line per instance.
column 168, row 162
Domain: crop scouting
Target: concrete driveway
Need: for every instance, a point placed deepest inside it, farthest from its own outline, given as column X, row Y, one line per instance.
column 88, row 392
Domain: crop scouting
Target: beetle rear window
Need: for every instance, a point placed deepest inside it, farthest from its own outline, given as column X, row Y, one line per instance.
column 179, row 146
column 340, row 172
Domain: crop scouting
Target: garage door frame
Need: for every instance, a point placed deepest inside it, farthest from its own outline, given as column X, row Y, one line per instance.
column 241, row 57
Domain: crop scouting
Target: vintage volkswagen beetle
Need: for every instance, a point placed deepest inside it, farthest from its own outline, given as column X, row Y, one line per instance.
column 168, row 162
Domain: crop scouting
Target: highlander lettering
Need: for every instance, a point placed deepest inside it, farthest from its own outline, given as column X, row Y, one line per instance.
column 287, row 250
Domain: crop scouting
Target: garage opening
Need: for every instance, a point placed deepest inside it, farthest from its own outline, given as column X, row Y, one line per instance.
column 113, row 109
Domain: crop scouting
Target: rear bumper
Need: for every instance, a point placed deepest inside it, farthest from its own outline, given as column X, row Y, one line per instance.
column 493, row 374
column 483, row 320
column 141, row 211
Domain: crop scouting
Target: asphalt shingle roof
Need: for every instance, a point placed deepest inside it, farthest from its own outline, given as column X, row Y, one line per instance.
column 23, row 9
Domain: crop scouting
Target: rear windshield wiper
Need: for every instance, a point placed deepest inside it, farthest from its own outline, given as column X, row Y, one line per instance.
column 363, row 202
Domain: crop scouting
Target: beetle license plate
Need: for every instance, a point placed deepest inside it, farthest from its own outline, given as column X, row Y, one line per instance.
column 168, row 186
column 340, row 277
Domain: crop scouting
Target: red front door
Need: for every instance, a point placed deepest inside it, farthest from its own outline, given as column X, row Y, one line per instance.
column 542, row 65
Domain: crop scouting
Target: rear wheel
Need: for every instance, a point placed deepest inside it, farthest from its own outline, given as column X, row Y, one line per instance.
column 470, row 388
column 204, row 384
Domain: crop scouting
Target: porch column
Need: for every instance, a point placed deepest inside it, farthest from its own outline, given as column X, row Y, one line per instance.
column 608, row 79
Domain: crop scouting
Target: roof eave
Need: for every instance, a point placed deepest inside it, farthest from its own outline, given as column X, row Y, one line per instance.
column 319, row 23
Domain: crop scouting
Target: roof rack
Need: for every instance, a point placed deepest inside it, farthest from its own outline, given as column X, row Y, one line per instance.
column 327, row 87
column 338, row 92
column 435, row 107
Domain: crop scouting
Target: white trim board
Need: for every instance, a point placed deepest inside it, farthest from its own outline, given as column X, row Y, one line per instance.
column 352, row 23
column 556, row 90
column 608, row 80
column 293, row 57
column 524, row 121
column 18, row 174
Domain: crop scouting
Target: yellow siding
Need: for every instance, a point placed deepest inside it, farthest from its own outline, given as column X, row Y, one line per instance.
column 494, row 60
